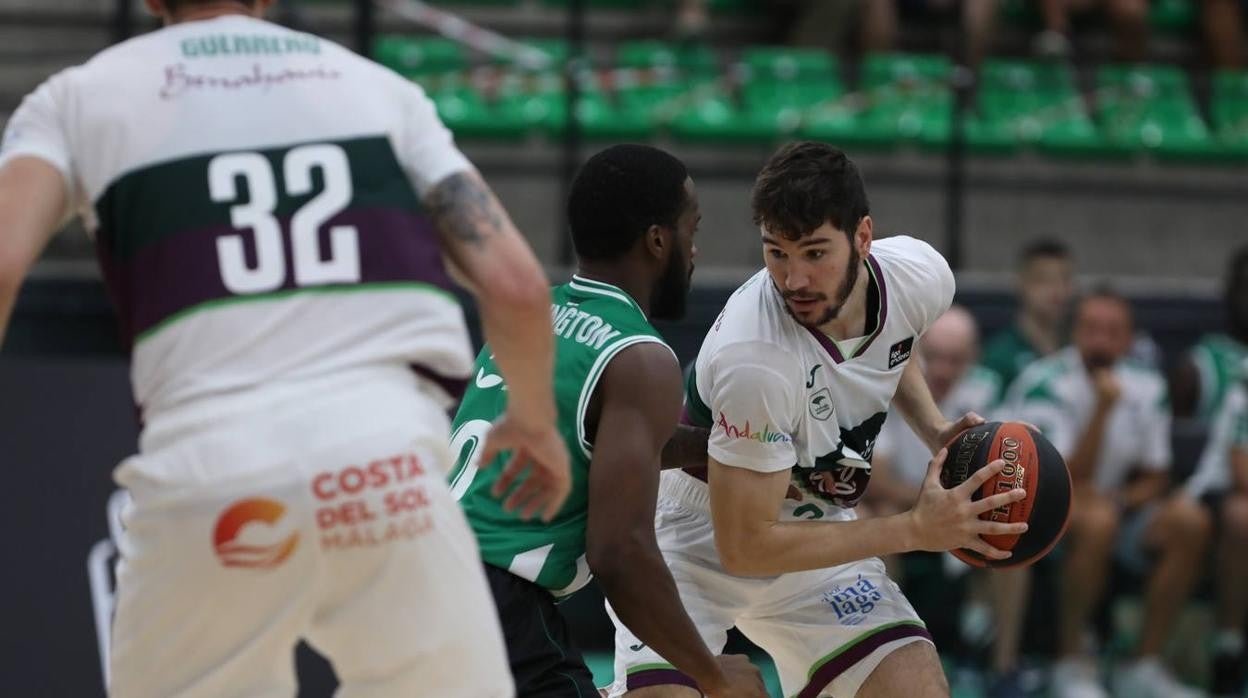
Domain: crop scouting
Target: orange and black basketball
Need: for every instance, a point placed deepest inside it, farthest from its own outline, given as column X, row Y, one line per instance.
column 1031, row 463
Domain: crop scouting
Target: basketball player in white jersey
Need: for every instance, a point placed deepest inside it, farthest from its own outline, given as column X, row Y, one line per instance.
column 271, row 213
column 793, row 381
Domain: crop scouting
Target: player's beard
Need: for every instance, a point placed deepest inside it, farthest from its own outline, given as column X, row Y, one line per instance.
column 672, row 289
column 842, row 294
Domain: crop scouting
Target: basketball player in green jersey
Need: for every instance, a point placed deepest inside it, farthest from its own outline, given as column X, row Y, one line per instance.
column 633, row 213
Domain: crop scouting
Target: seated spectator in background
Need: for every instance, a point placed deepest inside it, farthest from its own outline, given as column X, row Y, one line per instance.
column 978, row 17
column 825, row 23
column 1205, row 376
column 1221, row 481
column 692, row 19
column 1223, row 22
column 948, row 352
column 1110, row 420
column 1045, row 287
column 1128, row 20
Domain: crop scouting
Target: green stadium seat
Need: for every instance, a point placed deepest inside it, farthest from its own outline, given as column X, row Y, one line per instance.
column 788, row 64
column 697, row 59
column 557, row 49
column 905, row 98
column 465, row 112
column 1150, row 108
column 1022, row 101
column 417, row 55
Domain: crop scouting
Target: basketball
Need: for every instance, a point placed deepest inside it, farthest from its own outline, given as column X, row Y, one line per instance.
column 1031, row 463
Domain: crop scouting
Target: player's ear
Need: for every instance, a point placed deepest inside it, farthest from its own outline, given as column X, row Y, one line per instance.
column 657, row 239
column 863, row 236
column 156, row 7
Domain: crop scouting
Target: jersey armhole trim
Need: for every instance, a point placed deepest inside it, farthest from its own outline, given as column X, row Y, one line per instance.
column 591, row 381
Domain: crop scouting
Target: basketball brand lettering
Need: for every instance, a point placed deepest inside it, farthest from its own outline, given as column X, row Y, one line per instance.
column 1012, row 475
column 962, row 460
column 852, row 604
column 766, row 436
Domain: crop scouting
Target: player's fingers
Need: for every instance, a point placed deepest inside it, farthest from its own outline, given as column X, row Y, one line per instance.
column 997, row 528
column 998, row 500
column 989, row 551
column 557, row 494
column 521, row 500
column 978, row 478
column 518, row 464
column 970, row 419
column 933, row 467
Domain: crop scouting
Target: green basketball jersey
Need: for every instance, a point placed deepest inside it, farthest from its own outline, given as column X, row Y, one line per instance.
column 1219, row 360
column 1007, row 353
column 593, row 322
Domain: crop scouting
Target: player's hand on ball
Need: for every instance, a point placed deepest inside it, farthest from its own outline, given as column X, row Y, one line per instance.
column 539, row 460
column 741, row 679
column 952, row 429
column 945, row 519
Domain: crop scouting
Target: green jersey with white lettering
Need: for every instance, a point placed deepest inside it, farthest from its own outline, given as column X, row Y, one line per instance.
column 593, row 322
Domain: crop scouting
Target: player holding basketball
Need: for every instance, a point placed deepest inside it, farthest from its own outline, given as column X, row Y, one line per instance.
column 793, row 381
column 633, row 213
column 276, row 263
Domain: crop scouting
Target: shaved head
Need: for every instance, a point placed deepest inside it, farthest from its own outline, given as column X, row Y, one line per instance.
column 949, row 348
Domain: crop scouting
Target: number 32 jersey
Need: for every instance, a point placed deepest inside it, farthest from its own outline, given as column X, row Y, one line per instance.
column 253, row 194
column 780, row 396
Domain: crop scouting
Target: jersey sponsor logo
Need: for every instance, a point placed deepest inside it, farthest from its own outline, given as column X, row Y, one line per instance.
column 249, row 534
column 821, row 405
column 767, row 435
column 366, row 505
column 178, row 80
column 854, row 602
column 900, row 351
column 810, row 382
column 637, row 647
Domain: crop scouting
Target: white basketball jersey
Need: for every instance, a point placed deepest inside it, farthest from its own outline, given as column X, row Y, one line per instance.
column 253, row 193
column 777, row 395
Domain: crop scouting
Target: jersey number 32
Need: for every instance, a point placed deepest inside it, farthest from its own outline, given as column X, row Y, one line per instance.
column 310, row 266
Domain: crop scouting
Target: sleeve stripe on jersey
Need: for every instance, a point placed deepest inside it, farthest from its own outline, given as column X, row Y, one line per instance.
column 591, row 380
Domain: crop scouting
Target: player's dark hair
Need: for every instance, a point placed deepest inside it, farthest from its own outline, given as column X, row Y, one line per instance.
column 1045, row 248
column 804, row 185
column 619, row 193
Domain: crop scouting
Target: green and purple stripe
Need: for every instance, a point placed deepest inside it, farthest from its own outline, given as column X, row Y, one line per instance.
column 158, row 233
column 657, row 675
column 839, row 661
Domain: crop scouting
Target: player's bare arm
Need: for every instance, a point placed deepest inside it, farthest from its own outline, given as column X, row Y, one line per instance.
column 752, row 541
column 514, row 300
column 640, row 397
column 32, row 200
column 1239, row 468
column 1086, row 453
column 914, row 400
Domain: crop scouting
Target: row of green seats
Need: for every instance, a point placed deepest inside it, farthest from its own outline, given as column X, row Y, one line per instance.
column 902, row 99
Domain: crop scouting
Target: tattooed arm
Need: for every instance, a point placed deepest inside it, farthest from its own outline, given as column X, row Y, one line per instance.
column 514, row 299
